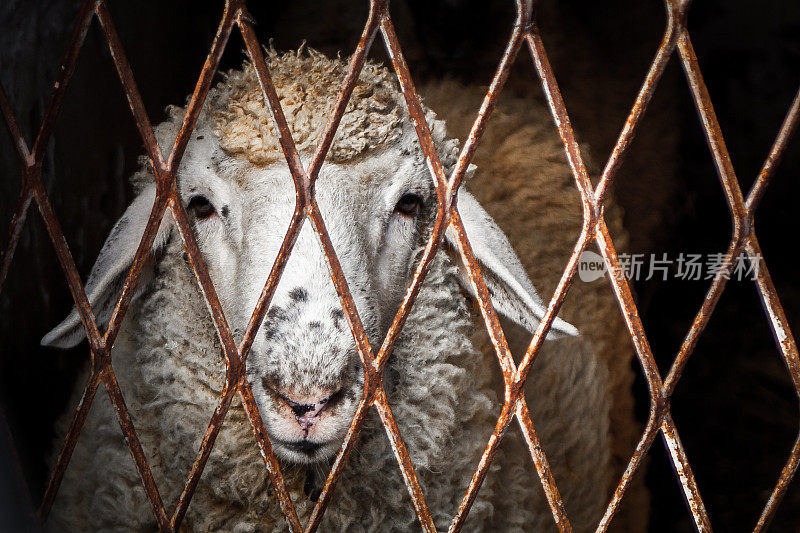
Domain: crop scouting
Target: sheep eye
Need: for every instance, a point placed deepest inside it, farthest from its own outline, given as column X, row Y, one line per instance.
column 409, row 205
column 201, row 207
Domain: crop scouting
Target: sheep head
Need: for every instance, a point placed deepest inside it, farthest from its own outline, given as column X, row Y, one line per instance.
column 377, row 198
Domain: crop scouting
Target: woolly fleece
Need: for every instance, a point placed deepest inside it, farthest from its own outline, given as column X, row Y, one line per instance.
column 167, row 360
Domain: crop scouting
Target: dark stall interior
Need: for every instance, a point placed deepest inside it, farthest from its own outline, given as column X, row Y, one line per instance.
column 735, row 406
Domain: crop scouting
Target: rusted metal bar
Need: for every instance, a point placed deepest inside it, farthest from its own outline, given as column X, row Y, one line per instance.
column 770, row 301
column 377, row 9
column 156, row 159
column 371, row 383
column 576, row 163
column 578, row 169
column 787, row 346
column 787, row 474
column 302, row 207
column 561, row 118
column 302, row 181
column 639, row 453
column 198, row 98
column 524, row 11
column 514, row 399
column 337, row 275
column 32, row 187
column 203, row 278
column 214, row 426
column 234, row 368
column 713, row 133
column 465, row 156
column 431, row 248
column 683, row 470
column 775, row 156
column 429, row 150
column 702, row 318
column 129, row 86
column 15, row 132
column 275, row 273
column 25, row 194
column 392, row 45
column 372, row 379
column 658, row 65
column 67, row 263
column 134, row 273
column 593, row 221
column 15, row 231
column 721, row 279
column 303, row 193
column 646, row 92
column 338, row 464
column 542, row 467
column 414, row 107
column 658, row 408
column 345, row 296
column 64, row 75
column 75, row 427
column 132, row 440
column 271, row 462
column 778, row 321
column 166, row 174
column 483, row 468
column 559, row 296
column 404, row 460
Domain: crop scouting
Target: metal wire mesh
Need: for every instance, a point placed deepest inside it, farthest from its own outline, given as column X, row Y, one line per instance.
column 676, row 40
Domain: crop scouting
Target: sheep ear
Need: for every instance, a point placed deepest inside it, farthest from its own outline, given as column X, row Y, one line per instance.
column 108, row 273
column 512, row 292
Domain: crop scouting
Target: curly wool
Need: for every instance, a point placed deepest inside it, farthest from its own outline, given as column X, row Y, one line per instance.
column 307, row 86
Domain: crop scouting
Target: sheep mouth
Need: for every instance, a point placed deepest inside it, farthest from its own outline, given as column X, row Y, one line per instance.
column 303, row 446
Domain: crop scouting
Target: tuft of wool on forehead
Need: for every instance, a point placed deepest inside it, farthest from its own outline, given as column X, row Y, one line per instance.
column 307, row 85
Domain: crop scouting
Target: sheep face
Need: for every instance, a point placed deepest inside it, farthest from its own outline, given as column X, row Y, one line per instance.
column 303, row 366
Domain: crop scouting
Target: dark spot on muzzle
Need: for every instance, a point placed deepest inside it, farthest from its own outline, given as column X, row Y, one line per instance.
column 298, row 294
column 276, row 312
column 337, row 315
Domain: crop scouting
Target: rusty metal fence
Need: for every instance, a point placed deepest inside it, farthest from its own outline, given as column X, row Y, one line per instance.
column 524, row 34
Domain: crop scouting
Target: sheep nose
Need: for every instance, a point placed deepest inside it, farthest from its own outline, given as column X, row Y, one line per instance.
column 305, row 411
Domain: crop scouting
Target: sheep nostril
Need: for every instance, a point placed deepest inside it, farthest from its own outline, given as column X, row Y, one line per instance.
column 301, row 409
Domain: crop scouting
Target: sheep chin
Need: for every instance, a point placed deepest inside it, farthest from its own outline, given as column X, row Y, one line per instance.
column 285, row 451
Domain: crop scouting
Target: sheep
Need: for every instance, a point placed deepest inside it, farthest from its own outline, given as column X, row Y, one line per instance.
column 376, row 195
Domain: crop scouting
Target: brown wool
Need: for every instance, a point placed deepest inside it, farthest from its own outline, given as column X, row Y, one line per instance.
column 307, row 85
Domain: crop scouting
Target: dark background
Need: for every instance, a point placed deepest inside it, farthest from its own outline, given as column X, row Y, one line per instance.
column 735, row 407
